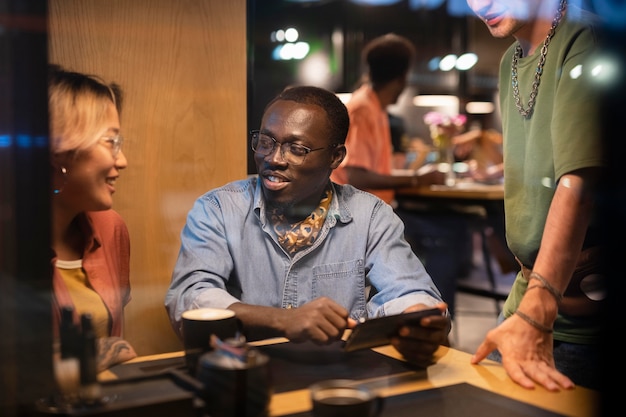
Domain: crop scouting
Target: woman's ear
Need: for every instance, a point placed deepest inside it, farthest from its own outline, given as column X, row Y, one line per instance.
column 60, row 160
column 55, row 166
column 57, row 161
column 339, row 153
column 58, row 164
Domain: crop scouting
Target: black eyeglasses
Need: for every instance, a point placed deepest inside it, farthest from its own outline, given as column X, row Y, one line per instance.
column 292, row 153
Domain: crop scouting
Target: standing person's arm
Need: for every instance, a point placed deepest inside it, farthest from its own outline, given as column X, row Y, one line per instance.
column 526, row 348
column 366, row 179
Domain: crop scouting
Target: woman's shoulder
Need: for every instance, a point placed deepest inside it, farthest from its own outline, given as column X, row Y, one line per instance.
column 105, row 217
column 107, row 223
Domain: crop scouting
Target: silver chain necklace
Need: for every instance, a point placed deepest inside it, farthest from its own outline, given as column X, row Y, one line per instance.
column 539, row 71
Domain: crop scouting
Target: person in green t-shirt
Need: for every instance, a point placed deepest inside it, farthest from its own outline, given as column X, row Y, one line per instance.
column 549, row 329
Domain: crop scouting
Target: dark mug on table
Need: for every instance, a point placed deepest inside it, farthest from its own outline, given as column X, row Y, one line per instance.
column 344, row 398
column 198, row 326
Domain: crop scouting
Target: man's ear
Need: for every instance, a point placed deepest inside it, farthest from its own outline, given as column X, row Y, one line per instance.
column 339, row 153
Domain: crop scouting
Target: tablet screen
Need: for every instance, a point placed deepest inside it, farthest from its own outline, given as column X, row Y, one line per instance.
column 378, row 331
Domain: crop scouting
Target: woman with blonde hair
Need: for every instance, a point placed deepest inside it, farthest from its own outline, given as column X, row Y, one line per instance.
column 90, row 241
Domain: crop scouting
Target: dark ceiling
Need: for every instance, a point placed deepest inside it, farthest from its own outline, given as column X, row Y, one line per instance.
column 434, row 31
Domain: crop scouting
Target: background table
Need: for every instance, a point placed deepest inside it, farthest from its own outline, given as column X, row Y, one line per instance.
column 462, row 190
column 480, row 203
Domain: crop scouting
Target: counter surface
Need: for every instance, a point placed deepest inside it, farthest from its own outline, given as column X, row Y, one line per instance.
column 451, row 367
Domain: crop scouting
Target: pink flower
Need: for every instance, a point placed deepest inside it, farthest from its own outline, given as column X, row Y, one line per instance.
column 442, row 126
column 443, row 120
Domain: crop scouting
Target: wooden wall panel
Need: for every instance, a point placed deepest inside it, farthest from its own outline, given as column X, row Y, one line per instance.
column 182, row 66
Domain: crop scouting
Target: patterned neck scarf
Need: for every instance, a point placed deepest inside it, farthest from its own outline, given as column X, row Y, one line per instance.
column 297, row 236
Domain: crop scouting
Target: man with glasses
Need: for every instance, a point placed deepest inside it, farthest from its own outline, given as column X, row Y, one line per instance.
column 295, row 255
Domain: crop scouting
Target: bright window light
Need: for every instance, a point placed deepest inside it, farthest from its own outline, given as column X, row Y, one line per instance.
column 433, row 64
column 576, row 72
column 289, row 51
column 466, row 61
column 447, row 62
column 300, row 50
column 315, row 70
column 291, row 35
column 344, row 97
column 605, row 70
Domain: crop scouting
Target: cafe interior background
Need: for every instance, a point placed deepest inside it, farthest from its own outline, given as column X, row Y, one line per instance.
column 192, row 72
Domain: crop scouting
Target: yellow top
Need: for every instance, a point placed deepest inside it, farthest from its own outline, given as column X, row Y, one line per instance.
column 85, row 299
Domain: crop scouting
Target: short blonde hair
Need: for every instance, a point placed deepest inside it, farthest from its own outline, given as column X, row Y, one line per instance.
column 77, row 105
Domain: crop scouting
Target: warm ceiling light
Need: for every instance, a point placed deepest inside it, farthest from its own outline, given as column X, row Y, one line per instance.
column 433, row 100
column 479, row 107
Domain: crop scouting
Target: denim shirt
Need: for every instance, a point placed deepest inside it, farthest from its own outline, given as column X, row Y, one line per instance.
column 229, row 253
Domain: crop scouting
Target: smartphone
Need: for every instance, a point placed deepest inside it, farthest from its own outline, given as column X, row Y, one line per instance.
column 379, row 331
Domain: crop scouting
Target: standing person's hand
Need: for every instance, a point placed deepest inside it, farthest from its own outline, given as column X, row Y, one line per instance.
column 417, row 343
column 526, row 354
column 321, row 321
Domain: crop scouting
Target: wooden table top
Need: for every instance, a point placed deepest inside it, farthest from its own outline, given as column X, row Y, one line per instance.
column 461, row 190
column 451, row 367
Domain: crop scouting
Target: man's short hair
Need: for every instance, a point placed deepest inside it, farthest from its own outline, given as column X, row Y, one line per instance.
column 336, row 112
column 388, row 57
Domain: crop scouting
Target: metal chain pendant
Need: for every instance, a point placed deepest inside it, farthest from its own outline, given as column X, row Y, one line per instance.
column 526, row 112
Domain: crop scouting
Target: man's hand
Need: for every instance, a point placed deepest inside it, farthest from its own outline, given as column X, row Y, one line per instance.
column 417, row 343
column 321, row 321
column 430, row 175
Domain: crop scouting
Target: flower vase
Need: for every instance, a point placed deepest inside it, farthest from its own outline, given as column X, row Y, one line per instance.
column 450, row 175
column 445, row 149
column 442, row 129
